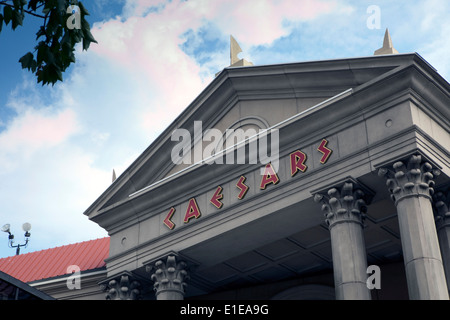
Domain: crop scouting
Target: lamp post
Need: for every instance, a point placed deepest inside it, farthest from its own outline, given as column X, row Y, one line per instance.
column 26, row 227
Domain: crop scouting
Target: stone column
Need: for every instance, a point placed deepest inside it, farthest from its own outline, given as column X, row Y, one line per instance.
column 442, row 218
column 169, row 276
column 122, row 287
column 344, row 209
column 411, row 186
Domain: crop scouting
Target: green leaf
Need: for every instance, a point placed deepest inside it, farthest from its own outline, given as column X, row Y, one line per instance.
column 50, row 58
column 75, row 35
column 86, row 44
column 16, row 4
column 65, row 39
column 42, row 52
column 50, row 74
column 61, row 6
column 32, row 5
column 53, row 22
column 58, row 33
column 17, row 19
column 41, row 32
column 40, row 76
column 49, row 5
column 59, row 74
column 83, row 10
column 88, row 36
column 7, row 14
column 28, row 62
column 71, row 57
column 55, row 51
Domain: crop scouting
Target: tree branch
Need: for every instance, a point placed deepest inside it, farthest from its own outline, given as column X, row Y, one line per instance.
column 24, row 10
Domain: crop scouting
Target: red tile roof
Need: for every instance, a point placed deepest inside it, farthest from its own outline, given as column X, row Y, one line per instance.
column 53, row 262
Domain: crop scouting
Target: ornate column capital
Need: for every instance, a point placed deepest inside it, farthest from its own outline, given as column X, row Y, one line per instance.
column 410, row 178
column 121, row 287
column 441, row 205
column 345, row 202
column 169, row 275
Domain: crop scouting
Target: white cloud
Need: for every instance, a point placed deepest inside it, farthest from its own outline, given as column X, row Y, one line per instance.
column 56, row 158
column 46, row 178
column 34, row 130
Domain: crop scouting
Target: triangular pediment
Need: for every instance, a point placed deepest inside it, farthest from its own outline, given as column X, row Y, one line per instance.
column 255, row 97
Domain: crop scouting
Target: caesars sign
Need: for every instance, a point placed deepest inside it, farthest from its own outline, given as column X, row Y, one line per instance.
column 269, row 176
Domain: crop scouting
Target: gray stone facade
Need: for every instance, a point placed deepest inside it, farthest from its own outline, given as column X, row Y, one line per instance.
column 367, row 138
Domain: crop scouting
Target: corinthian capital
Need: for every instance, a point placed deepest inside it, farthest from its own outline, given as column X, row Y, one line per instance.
column 441, row 204
column 347, row 203
column 169, row 275
column 123, row 287
column 413, row 177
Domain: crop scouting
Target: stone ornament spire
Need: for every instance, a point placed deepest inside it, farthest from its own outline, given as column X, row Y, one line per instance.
column 169, row 278
column 387, row 48
column 235, row 49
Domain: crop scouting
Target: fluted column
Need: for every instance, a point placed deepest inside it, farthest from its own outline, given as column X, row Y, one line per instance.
column 442, row 218
column 411, row 186
column 169, row 276
column 122, row 287
column 344, row 209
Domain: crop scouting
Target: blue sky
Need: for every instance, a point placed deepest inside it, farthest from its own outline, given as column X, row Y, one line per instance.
column 59, row 145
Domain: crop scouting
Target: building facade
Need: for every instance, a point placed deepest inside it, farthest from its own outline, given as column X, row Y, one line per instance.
column 359, row 186
column 348, row 197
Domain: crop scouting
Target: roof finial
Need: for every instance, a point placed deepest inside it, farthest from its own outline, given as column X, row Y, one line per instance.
column 235, row 49
column 113, row 175
column 387, row 48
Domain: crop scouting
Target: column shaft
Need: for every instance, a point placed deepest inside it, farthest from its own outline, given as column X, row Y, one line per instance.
column 421, row 254
column 344, row 208
column 442, row 217
column 411, row 186
column 169, row 295
column 444, row 244
column 349, row 261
